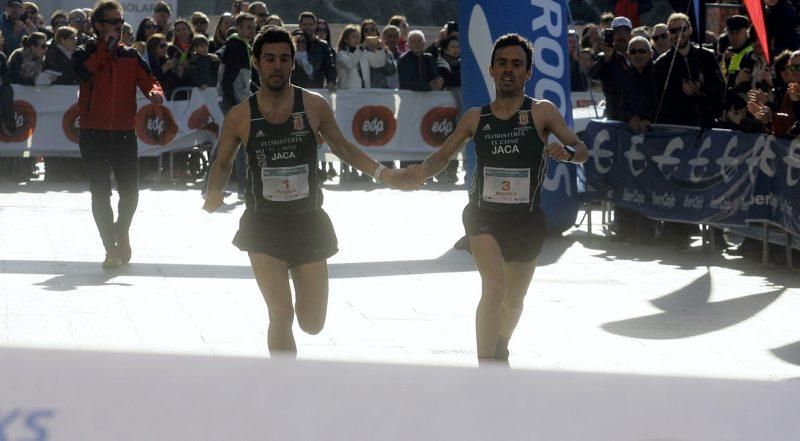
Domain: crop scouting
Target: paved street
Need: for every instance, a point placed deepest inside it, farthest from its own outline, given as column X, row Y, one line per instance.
column 398, row 294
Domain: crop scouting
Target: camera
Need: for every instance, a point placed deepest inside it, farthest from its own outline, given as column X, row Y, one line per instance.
column 450, row 27
column 608, row 37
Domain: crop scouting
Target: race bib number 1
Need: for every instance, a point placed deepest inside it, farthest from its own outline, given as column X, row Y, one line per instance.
column 506, row 185
column 283, row 184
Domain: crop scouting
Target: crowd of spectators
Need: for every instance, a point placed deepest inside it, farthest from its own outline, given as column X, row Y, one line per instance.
column 186, row 52
column 658, row 75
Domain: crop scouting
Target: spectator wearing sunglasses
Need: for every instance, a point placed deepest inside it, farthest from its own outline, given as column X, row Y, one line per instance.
column 157, row 60
column 146, row 29
column 691, row 91
column 661, row 40
column 786, row 123
column 77, row 19
column 110, row 73
column 58, row 19
column 638, row 104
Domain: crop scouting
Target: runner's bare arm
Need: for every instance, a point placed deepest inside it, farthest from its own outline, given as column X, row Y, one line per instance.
column 227, row 146
column 554, row 123
column 348, row 152
column 438, row 160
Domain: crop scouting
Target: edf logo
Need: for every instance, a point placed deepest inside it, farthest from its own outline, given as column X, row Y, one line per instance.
column 25, row 424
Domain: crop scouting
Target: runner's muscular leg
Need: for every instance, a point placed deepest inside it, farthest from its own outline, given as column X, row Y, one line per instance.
column 311, row 293
column 518, row 277
column 272, row 276
column 489, row 260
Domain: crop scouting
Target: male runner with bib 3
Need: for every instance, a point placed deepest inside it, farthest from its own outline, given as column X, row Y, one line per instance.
column 284, row 227
column 503, row 220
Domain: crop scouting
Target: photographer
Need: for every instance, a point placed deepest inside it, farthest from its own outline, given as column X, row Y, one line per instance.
column 12, row 27
column 612, row 65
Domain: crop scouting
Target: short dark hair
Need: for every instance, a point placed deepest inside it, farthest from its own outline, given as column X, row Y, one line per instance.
column 199, row 40
column 272, row 34
column 243, row 17
column 446, row 42
column 514, row 40
column 101, row 7
column 162, row 7
column 306, row 14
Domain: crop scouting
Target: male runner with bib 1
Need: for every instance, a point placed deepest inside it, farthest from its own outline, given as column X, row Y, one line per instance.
column 284, row 227
column 503, row 220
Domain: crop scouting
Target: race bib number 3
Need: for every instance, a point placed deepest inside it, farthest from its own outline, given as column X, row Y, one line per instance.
column 283, row 184
column 506, row 185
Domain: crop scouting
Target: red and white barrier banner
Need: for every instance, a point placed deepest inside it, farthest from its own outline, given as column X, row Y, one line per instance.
column 48, row 122
column 372, row 120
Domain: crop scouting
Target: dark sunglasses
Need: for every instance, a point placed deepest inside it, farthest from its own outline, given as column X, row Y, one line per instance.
column 113, row 21
column 674, row 31
column 637, row 51
column 660, row 37
column 793, row 68
column 162, row 45
column 78, row 20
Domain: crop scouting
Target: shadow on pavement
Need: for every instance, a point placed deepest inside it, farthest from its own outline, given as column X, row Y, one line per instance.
column 789, row 353
column 688, row 313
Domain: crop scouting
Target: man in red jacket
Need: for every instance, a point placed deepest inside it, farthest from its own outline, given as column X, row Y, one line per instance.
column 110, row 73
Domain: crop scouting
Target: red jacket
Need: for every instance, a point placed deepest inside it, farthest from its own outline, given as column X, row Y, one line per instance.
column 107, row 99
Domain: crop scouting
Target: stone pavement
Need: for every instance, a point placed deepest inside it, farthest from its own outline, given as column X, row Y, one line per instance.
column 398, row 292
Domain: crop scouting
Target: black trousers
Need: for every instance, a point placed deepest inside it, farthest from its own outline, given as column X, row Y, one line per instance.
column 104, row 151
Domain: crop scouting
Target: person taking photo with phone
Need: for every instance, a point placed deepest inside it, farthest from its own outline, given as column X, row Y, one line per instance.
column 612, row 64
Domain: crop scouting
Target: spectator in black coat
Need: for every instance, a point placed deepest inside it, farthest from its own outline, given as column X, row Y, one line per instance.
column 449, row 63
column 203, row 67
column 638, row 95
column 691, row 92
column 612, row 66
column 781, row 22
column 320, row 55
column 59, row 55
column 417, row 69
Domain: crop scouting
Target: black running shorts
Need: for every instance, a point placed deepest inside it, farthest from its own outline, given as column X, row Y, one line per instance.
column 520, row 235
column 296, row 239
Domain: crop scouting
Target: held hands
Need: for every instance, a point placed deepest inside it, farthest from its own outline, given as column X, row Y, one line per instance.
column 398, row 178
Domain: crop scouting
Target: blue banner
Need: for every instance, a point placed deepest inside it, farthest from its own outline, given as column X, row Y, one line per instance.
column 717, row 177
column 543, row 22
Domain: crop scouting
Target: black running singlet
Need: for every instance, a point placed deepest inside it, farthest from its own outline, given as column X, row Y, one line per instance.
column 511, row 162
column 282, row 163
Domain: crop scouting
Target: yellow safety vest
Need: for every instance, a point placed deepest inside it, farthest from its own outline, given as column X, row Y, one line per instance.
column 736, row 60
